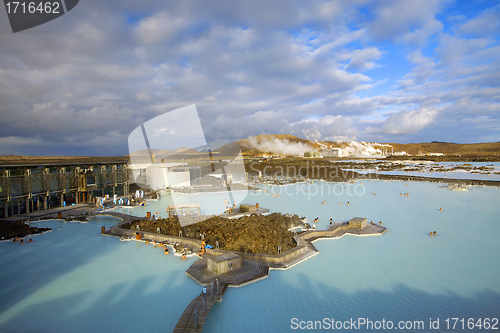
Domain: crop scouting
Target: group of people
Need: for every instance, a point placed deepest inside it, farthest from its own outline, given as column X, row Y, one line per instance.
column 21, row 240
column 159, row 244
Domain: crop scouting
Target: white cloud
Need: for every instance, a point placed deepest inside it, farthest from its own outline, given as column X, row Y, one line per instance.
column 340, row 138
column 160, row 27
column 312, row 134
column 363, row 59
column 423, row 71
column 408, row 122
column 398, row 18
column 250, row 67
column 485, row 24
column 418, row 37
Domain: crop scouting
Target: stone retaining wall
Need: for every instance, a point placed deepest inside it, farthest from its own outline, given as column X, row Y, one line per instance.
column 303, row 241
column 196, row 244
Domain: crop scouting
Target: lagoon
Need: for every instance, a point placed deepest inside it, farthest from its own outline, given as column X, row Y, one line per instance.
column 77, row 280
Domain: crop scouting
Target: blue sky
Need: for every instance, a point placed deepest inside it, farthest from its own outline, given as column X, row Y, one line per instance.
column 384, row 71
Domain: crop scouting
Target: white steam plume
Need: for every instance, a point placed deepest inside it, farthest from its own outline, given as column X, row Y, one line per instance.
column 282, row 147
column 362, row 149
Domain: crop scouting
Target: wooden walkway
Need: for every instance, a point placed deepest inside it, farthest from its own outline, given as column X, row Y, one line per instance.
column 192, row 321
column 254, row 266
column 254, row 270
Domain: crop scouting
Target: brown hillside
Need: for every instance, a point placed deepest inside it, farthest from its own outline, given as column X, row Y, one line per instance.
column 248, row 149
column 449, row 148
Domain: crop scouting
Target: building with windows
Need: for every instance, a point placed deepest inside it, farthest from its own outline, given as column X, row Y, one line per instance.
column 333, row 152
column 158, row 176
column 30, row 187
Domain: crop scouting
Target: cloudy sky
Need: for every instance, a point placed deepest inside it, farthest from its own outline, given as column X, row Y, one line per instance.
column 385, row 71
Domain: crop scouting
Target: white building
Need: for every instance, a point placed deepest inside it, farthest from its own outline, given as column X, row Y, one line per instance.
column 400, row 153
column 231, row 174
column 161, row 175
column 333, row 152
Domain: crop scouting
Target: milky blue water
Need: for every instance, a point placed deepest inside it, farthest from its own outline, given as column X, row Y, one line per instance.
column 492, row 174
column 76, row 280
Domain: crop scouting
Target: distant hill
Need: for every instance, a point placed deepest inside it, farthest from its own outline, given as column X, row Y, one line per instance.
column 255, row 145
column 250, row 146
column 263, row 144
column 447, row 148
column 186, row 151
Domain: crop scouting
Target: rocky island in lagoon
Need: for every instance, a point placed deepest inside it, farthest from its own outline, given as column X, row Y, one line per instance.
column 235, row 252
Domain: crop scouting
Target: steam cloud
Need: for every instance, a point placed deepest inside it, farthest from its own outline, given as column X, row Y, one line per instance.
column 361, row 149
column 364, row 149
column 285, row 147
column 282, row 147
column 312, row 135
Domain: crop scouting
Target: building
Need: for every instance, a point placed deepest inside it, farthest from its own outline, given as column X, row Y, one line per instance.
column 253, row 176
column 333, row 152
column 357, row 222
column 400, row 153
column 314, row 154
column 224, row 263
column 194, row 175
column 32, row 187
column 233, row 173
column 159, row 176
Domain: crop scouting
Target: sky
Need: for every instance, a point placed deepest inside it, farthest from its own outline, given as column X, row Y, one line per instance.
column 384, row 71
